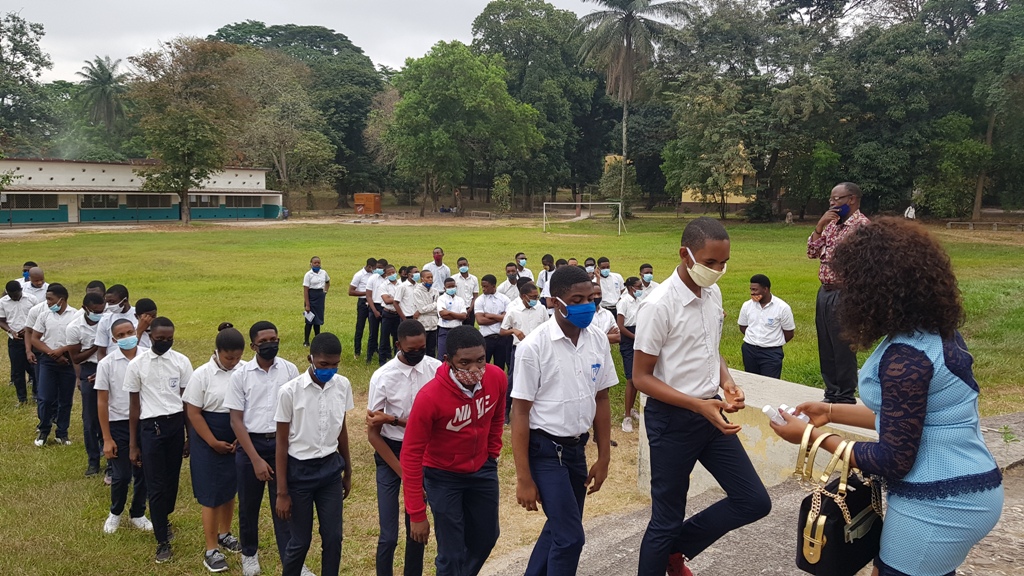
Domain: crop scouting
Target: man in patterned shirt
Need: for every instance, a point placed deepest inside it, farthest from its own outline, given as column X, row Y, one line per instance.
column 838, row 362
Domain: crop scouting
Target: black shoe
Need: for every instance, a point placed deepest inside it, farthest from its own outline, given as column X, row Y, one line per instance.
column 163, row 552
column 229, row 543
column 92, row 470
column 215, row 561
column 170, row 532
column 305, row 344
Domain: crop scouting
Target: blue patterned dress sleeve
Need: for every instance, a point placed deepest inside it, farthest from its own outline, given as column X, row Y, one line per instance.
column 905, row 374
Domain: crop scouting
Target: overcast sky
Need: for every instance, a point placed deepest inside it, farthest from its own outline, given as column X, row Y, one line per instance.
column 388, row 31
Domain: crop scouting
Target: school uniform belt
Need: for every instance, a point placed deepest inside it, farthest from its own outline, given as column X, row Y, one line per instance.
column 263, row 435
column 389, row 312
column 563, row 440
column 316, row 289
column 492, row 336
column 165, row 417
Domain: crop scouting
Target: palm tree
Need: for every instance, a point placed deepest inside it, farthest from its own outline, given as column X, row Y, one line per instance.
column 622, row 39
column 102, row 91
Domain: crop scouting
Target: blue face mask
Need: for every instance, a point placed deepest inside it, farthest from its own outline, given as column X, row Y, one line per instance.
column 450, row 291
column 316, row 269
column 463, row 269
column 844, row 210
column 522, row 261
column 25, row 274
column 379, row 272
column 427, row 285
column 94, row 317
column 532, row 303
column 128, row 343
column 648, row 278
column 637, row 294
column 416, row 277
column 605, row 273
column 393, row 278
column 324, row 375
column 579, row 315
column 55, row 308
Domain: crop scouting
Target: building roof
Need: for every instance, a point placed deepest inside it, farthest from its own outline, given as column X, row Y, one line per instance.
column 135, row 190
column 129, row 162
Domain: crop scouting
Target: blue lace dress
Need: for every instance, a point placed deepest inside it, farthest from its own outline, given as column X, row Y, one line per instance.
column 944, row 487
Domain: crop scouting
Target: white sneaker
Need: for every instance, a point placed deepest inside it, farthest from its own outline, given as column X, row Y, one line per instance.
column 627, row 425
column 110, row 526
column 307, row 572
column 141, row 523
column 250, row 565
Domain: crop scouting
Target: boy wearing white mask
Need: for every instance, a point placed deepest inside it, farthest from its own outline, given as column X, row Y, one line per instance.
column 611, row 285
column 468, row 288
column 451, row 308
column 82, row 347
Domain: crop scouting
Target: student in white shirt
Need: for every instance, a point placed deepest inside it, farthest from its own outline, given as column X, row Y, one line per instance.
column 544, row 276
column 405, row 291
column 439, row 269
column 14, row 308
column 452, row 312
column 611, row 285
column 521, row 268
column 112, row 403
column 424, row 303
column 32, row 353
column 563, row 372
column 56, row 371
column 156, row 421
column 252, row 402
column 81, row 335
column 375, row 304
column 510, row 287
column 604, row 320
column 36, row 286
column 766, row 322
column 392, row 390
column 468, row 288
column 315, row 285
column 678, row 365
column 647, row 278
column 523, row 317
column 491, row 310
column 357, row 289
column 590, row 265
column 212, row 455
column 25, row 268
column 116, row 307
column 313, row 463
column 625, row 320
column 391, row 313
column 545, row 292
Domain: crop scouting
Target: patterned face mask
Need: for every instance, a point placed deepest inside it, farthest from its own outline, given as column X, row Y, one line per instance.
column 468, row 378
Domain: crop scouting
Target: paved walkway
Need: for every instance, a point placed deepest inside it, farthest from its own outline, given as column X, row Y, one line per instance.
column 769, row 546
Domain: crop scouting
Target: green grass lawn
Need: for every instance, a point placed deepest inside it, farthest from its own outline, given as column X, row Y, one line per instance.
column 51, row 518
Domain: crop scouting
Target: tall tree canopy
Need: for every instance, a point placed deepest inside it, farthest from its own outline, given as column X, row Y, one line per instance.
column 24, row 118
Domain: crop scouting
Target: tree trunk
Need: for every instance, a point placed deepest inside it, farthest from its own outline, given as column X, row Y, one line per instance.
column 426, row 193
column 186, row 210
column 577, row 198
column 472, row 179
column 979, row 190
column 625, row 118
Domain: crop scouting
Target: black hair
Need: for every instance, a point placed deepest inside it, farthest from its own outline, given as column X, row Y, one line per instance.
column 513, row 264
column 119, row 322
column 260, row 326
column 438, row 248
column 449, row 279
column 91, row 299
column 462, row 337
column 161, row 322
column 229, row 339
column 118, row 290
column 462, row 259
column 567, row 277
column 382, row 262
column 851, row 188
column 371, row 262
column 547, row 258
column 645, row 265
column 761, row 279
column 518, row 254
column 410, row 329
column 314, row 258
column 631, row 280
column 13, row 286
column 325, row 344
column 30, row 264
column 58, row 290
column 96, row 284
column 700, row 230
column 144, row 305
column 526, row 287
column 602, row 260
column 402, row 270
column 486, row 278
column 589, row 259
column 522, row 280
column 561, row 262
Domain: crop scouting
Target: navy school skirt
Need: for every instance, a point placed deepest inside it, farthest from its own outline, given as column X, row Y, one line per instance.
column 317, row 299
column 213, row 474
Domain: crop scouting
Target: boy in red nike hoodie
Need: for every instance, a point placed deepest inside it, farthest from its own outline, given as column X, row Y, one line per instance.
column 451, row 447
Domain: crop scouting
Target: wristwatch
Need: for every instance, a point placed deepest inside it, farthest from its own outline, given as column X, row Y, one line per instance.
column 394, row 421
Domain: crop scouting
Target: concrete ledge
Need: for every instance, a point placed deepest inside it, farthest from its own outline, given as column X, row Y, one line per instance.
column 773, row 458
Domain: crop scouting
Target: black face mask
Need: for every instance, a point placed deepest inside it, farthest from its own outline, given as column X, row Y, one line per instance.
column 161, row 346
column 267, row 350
column 512, row 278
column 414, row 357
column 597, row 301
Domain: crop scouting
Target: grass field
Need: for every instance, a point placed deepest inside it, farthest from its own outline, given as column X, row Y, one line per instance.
column 51, row 517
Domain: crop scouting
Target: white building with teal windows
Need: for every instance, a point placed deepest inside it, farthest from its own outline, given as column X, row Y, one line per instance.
column 48, row 191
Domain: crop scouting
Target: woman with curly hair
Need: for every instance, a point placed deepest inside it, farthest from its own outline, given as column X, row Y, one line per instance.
column 944, row 487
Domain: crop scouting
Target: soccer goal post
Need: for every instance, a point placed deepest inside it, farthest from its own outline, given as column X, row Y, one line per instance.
column 587, row 211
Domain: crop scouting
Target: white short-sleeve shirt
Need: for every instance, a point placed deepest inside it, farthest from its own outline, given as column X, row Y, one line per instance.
column 441, row 273
column 254, row 391
column 611, row 289
column 15, row 312
column 684, row 332
column 209, row 386
column 54, row 326
column 82, row 333
column 391, row 289
column 510, row 290
column 524, row 318
column 316, row 280
column 359, row 280
column 34, row 313
column 766, row 323
column 467, row 287
column 526, row 273
column 37, row 293
column 394, row 386
column 562, row 379
column 628, row 308
column 158, row 379
column 315, row 415
column 374, row 285
column 405, row 298
column 104, row 338
column 603, row 320
column 452, row 304
column 544, row 282
column 110, row 373
column 495, row 303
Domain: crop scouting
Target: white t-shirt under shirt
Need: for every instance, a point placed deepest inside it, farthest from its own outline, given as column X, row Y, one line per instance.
column 254, row 392
column 766, row 323
column 562, row 379
column 315, row 415
column 684, row 332
column 316, row 280
column 209, row 386
column 394, row 386
column 158, row 379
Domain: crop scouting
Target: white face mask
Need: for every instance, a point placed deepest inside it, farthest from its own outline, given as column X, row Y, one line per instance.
column 702, row 275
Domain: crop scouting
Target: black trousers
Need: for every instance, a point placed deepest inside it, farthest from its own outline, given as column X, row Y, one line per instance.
column 124, row 475
column 315, row 483
column 373, row 338
column 432, row 343
column 763, row 361
column 497, row 351
column 19, row 367
column 362, row 314
column 92, row 435
column 389, row 322
column 250, row 497
column 389, row 485
column 56, row 395
column 838, row 362
column 162, row 441
column 465, row 509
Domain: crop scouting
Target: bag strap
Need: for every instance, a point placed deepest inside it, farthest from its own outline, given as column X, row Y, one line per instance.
column 845, row 477
column 833, row 463
column 808, row 473
column 801, row 456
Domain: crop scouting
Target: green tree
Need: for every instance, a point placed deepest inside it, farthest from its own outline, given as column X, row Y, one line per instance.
column 958, row 159
column 623, row 39
column 102, row 91
column 187, row 113
column 24, row 119
column 451, row 98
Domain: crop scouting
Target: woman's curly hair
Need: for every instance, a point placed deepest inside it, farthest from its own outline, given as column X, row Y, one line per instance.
column 896, row 279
